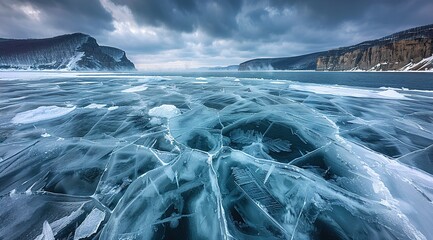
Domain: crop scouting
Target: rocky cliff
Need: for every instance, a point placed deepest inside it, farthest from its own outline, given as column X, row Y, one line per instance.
column 407, row 50
column 399, row 51
column 76, row 52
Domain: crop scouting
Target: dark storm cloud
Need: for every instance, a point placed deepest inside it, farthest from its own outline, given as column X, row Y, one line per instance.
column 238, row 19
column 75, row 15
column 58, row 16
column 216, row 18
column 330, row 14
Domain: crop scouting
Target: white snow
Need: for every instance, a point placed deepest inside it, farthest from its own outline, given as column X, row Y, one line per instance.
column 278, row 82
column 155, row 121
column 392, row 94
column 28, row 192
column 95, row 106
column 45, row 135
column 425, row 63
column 422, row 65
column 90, row 225
column 348, row 92
column 135, row 89
column 13, row 194
column 40, row 114
column 164, row 111
column 73, row 62
column 85, row 83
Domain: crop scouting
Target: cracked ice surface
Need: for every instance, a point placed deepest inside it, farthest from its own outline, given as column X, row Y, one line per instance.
column 153, row 157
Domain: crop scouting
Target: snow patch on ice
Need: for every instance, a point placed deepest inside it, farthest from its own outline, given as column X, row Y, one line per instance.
column 28, row 192
column 164, row 111
column 348, row 92
column 95, row 106
column 392, row 94
column 85, row 83
column 40, row 114
column 45, row 135
column 13, row 194
column 278, row 82
column 136, row 89
column 155, row 121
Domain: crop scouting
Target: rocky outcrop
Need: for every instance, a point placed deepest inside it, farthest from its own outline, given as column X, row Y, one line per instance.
column 409, row 50
column 394, row 52
column 75, row 52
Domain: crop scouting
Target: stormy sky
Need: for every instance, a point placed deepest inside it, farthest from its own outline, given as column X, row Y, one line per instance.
column 182, row 34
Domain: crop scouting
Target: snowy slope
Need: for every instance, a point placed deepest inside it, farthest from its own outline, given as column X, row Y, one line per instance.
column 425, row 64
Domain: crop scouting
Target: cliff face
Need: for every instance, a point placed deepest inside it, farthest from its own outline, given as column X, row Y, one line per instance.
column 119, row 57
column 67, row 52
column 407, row 50
column 391, row 56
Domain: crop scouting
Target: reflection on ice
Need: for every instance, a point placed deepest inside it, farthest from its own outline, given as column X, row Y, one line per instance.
column 230, row 159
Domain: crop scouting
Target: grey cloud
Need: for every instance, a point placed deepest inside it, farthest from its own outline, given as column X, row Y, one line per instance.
column 63, row 16
column 217, row 18
column 14, row 24
column 248, row 18
column 393, row 15
column 332, row 12
column 75, row 15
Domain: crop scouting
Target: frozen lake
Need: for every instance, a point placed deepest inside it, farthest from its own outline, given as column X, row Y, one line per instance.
column 271, row 155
